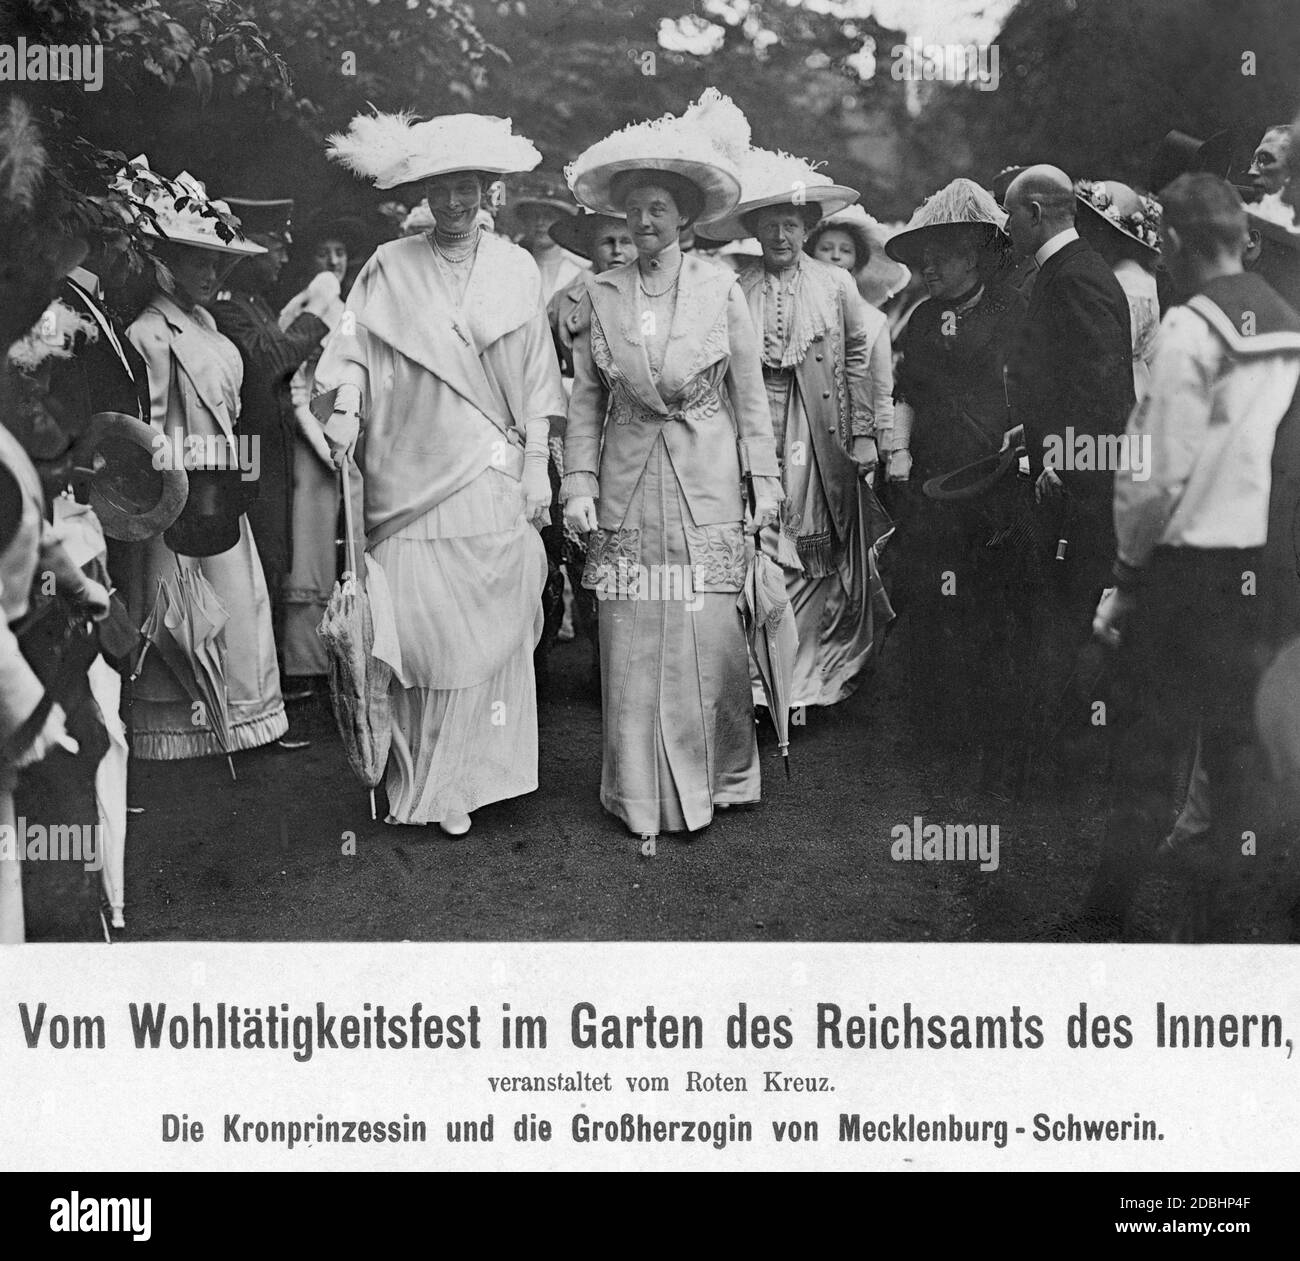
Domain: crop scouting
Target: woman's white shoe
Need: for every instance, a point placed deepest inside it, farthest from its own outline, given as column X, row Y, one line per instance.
column 455, row 824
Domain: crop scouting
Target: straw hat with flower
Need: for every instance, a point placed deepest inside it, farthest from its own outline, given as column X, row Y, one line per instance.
column 702, row 147
column 1132, row 214
column 395, row 149
column 180, row 211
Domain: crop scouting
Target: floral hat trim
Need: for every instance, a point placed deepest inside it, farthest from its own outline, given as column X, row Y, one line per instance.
column 1142, row 223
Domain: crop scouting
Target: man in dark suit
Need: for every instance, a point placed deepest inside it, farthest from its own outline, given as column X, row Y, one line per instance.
column 108, row 373
column 1070, row 383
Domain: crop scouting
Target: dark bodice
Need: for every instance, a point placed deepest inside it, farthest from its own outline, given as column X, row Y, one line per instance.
column 951, row 374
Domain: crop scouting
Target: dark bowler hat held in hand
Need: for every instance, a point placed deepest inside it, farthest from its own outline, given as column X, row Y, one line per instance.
column 132, row 497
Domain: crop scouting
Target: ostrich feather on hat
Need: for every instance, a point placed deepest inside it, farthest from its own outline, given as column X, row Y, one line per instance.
column 723, row 120
column 961, row 204
column 395, row 149
column 769, row 177
column 702, row 146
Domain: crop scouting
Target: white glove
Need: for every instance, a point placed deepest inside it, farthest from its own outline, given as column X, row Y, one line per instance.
column 865, row 455
column 537, row 490
column 536, row 479
column 900, row 465
column 53, row 733
column 580, row 514
column 343, row 430
column 767, row 503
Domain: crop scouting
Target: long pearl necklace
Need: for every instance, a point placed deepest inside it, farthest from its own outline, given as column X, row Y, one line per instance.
column 456, row 258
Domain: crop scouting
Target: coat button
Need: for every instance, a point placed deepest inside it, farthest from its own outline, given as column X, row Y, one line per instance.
column 819, row 358
column 826, row 394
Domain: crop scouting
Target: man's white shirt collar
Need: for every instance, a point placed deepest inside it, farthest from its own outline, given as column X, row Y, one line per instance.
column 1054, row 244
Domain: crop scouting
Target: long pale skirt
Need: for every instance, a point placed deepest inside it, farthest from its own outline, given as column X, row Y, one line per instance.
column 840, row 620
column 163, row 712
column 466, row 581
column 839, row 606
column 678, row 719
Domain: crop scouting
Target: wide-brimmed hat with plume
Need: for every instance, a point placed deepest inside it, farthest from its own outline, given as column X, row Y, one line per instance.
column 179, row 210
column 771, row 178
column 1135, row 215
column 703, row 146
column 951, row 212
column 394, row 149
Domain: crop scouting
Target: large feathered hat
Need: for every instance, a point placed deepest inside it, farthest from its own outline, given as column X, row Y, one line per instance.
column 954, row 210
column 394, row 149
column 703, row 147
column 180, row 210
column 770, row 178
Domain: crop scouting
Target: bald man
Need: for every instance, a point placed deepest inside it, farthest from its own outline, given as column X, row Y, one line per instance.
column 1070, row 383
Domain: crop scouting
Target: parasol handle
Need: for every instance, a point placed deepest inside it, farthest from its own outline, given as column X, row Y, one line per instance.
column 349, row 546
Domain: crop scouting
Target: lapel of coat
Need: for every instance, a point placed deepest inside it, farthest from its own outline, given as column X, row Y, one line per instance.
column 701, row 302
column 407, row 307
column 613, row 300
column 193, row 355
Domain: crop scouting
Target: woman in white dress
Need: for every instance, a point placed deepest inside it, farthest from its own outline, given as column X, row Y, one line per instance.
column 442, row 376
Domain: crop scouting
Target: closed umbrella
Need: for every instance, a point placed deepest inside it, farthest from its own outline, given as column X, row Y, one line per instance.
column 876, row 530
column 359, row 680
column 185, row 628
column 770, row 630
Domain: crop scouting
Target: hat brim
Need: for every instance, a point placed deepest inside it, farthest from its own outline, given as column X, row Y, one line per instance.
column 1154, row 250
column 419, row 174
column 906, row 247
column 577, row 233
column 551, row 203
column 719, row 189
column 133, row 499
column 830, row 198
column 971, row 479
column 197, row 240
